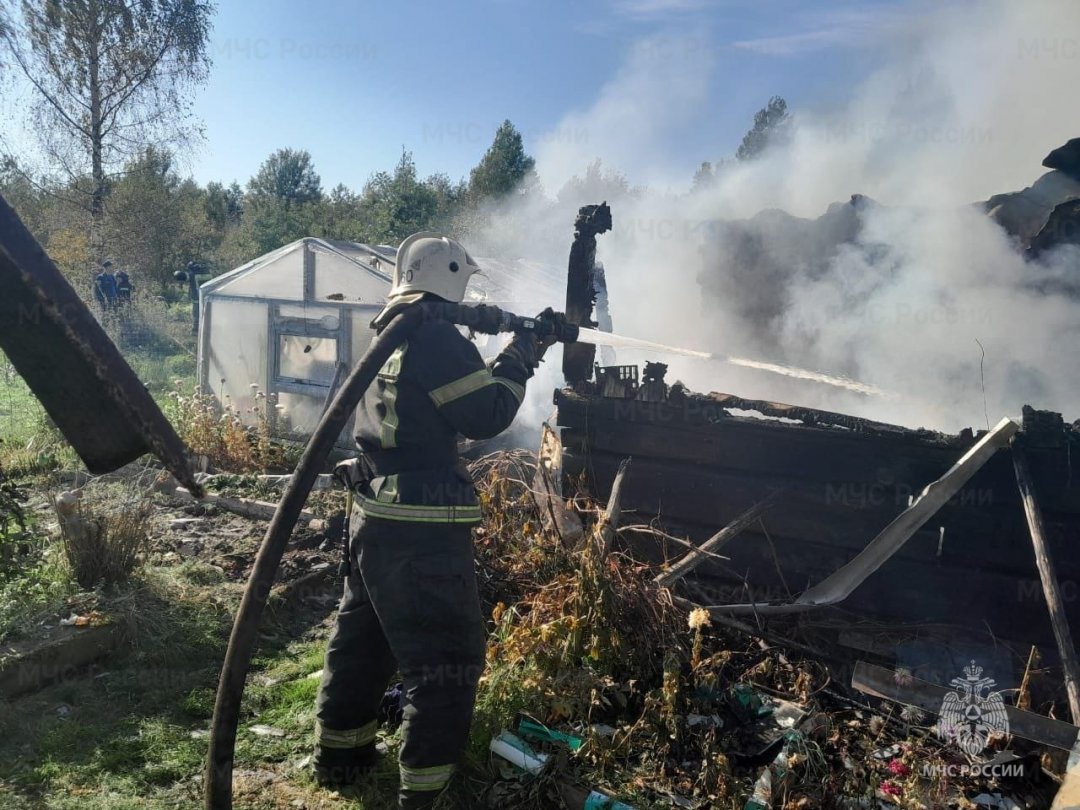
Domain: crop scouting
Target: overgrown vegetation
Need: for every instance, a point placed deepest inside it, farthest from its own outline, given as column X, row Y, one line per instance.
column 33, row 577
column 220, row 434
column 103, row 541
column 581, row 641
column 13, row 525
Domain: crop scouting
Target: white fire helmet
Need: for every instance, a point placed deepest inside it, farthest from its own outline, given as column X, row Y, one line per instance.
column 429, row 262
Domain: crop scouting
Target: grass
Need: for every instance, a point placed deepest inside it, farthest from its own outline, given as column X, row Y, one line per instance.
column 133, row 733
column 37, row 589
column 29, row 444
column 121, row 737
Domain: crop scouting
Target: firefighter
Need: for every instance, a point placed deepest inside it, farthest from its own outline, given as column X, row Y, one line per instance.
column 105, row 287
column 123, row 288
column 411, row 603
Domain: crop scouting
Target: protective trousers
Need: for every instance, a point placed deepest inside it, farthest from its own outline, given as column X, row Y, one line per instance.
column 411, row 605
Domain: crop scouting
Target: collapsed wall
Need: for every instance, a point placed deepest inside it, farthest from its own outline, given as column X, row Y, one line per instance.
column 701, row 461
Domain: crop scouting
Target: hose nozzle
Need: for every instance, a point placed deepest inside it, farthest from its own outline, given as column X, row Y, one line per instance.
column 491, row 320
column 548, row 324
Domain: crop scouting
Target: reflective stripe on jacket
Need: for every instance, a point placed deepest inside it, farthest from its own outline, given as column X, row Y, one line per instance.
column 431, row 390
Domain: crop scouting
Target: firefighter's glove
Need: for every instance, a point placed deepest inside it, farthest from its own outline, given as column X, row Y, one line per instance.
column 348, row 474
column 552, row 327
column 485, row 319
column 524, row 349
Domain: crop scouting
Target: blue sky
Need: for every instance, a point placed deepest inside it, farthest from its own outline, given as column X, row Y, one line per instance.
column 354, row 83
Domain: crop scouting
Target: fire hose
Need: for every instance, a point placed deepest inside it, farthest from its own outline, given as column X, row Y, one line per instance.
column 484, row 319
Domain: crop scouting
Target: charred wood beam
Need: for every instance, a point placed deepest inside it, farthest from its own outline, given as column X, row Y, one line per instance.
column 547, row 491
column 72, row 366
column 812, row 416
column 885, row 683
column 695, row 558
column 1048, row 576
column 839, row 586
column 606, row 528
column 592, row 220
column 249, row 508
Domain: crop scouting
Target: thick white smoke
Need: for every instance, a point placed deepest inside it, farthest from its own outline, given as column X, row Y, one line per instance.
column 967, row 102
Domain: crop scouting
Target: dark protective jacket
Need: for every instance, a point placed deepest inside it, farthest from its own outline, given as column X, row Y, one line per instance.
column 433, row 388
column 123, row 286
column 105, row 288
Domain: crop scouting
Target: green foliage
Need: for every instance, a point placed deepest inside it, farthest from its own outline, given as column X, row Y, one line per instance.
column 14, row 537
column 771, row 124
column 156, row 222
column 224, row 206
column 275, row 222
column 399, row 203
column 288, row 176
column 33, row 584
column 219, row 433
column 503, row 167
column 111, row 77
column 597, row 185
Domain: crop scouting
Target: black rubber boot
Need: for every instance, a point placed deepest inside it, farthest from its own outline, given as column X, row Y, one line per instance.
column 417, row 800
column 341, row 767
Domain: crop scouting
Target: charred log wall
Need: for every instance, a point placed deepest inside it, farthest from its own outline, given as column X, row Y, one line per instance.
column 697, row 468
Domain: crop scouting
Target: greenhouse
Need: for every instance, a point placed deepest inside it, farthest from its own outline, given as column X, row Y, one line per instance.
column 278, row 335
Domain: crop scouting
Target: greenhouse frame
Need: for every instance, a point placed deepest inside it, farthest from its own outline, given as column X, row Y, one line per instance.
column 278, row 335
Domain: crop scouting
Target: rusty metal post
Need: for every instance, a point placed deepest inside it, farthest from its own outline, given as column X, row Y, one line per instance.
column 72, row 366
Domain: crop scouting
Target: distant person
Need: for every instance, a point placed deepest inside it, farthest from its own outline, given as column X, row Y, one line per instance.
column 105, row 287
column 123, row 288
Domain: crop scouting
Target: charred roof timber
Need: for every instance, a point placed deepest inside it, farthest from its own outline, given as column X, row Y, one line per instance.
column 592, row 220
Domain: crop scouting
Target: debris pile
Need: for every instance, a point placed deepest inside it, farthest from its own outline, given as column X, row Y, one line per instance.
column 603, row 687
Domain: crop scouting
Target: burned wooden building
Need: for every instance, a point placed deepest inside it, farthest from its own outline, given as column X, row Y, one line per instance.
column 908, row 546
column 830, row 484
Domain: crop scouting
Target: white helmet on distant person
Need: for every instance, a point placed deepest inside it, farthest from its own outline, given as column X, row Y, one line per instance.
column 429, row 262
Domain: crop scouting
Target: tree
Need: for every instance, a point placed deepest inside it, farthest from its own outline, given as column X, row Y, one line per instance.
column 503, row 167
column 771, row 124
column 283, row 199
column 598, row 184
column 110, row 78
column 224, row 205
column 156, row 222
column 703, row 177
column 288, row 176
column 400, row 204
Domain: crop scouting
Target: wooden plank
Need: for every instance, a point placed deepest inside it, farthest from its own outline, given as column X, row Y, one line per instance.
column 547, row 490
column 698, row 411
column 604, row 531
column 704, row 434
column 1048, row 576
column 885, row 683
column 697, row 495
column 758, row 447
column 707, row 499
column 695, row 558
column 839, row 585
column 250, row 508
column 74, row 369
